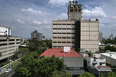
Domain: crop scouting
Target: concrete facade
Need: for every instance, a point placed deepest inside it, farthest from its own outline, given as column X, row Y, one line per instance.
column 74, row 32
column 63, row 33
column 90, row 35
column 8, row 46
column 5, row 30
column 74, row 11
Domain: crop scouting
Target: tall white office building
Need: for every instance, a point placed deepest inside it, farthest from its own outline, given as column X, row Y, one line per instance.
column 74, row 32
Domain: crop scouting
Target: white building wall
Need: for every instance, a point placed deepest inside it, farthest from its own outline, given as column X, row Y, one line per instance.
column 5, row 30
column 90, row 36
column 8, row 46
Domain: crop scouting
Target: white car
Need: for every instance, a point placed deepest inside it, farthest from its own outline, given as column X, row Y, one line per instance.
column 8, row 70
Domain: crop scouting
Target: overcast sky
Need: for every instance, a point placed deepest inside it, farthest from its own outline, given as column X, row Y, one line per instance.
column 25, row 16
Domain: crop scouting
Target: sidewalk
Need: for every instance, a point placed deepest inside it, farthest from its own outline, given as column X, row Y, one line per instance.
column 2, row 71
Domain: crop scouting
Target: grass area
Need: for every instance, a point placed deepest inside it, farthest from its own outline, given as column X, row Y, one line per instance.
column 2, row 64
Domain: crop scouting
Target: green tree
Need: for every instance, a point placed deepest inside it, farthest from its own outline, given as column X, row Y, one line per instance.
column 111, row 48
column 60, row 74
column 87, row 74
column 111, row 74
column 39, row 46
column 21, row 52
column 34, row 65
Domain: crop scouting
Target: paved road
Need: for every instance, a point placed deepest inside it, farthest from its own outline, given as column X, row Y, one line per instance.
column 11, row 73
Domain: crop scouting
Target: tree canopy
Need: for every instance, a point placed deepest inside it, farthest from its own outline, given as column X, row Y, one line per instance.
column 33, row 65
column 39, row 46
column 87, row 74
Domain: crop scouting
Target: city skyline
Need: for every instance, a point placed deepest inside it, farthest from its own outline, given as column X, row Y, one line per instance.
column 25, row 16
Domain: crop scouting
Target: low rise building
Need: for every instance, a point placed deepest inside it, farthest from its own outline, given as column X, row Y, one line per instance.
column 96, row 64
column 110, row 58
column 72, row 60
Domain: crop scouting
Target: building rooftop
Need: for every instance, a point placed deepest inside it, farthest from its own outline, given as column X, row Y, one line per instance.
column 110, row 54
column 5, row 27
column 58, row 52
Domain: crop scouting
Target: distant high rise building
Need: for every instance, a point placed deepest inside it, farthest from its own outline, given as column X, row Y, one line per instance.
column 36, row 35
column 8, row 44
column 74, row 32
column 100, row 36
column 111, row 37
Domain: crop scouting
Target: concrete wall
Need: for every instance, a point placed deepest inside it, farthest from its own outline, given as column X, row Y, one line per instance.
column 5, row 30
column 90, row 36
column 63, row 33
column 8, row 46
column 109, row 60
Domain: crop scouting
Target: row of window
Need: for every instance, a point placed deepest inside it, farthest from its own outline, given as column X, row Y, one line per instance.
column 63, row 28
column 62, row 24
column 63, row 37
column 12, row 50
column 3, row 48
column 63, row 42
column 4, row 55
column 4, row 51
column 63, row 33
column 9, row 44
column 9, row 39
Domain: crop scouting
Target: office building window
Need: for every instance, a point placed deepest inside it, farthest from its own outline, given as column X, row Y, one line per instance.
column 54, row 24
column 11, row 39
column 11, row 46
column 54, row 46
column 54, row 42
column 54, row 28
column 59, row 28
column 12, row 50
column 59, row 37
column 11, row 43
column 59, row 41
column 63, row 37
column 68, row 42
column 3, row 48
column 4, row 55
column 68, row 37
column 17, row 39
column 2, row 40
column 55, row 37
column 17, row 42
column 54, row 33
column 63, row 28
column 4, row 51
column 3, row 44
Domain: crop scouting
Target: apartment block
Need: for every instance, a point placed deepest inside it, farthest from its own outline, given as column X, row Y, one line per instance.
column 8, row 44
column 74, row 32
column 89, row 35
column 63, row 33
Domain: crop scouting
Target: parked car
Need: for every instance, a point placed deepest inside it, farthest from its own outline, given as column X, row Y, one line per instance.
column 8, row 70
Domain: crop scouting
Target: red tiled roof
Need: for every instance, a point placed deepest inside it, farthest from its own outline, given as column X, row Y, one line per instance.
column 58, row 52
